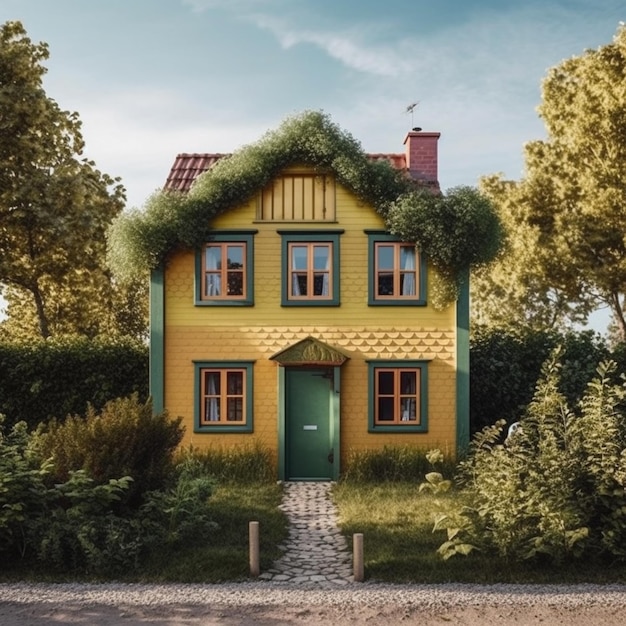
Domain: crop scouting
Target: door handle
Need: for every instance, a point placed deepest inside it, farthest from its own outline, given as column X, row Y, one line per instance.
column 331, row 456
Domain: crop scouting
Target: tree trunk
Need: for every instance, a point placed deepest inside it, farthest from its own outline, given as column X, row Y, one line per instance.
column 44, row 327
column 618, row 311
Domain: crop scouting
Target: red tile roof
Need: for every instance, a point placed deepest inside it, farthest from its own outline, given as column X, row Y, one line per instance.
column 187, row 167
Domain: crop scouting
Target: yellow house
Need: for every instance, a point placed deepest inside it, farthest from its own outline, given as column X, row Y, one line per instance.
column 302, row 324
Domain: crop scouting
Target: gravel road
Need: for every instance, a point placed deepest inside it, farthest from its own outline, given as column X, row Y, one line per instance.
column 272, row 604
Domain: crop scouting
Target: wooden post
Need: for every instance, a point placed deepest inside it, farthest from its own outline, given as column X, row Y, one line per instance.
column 255, row 565
column 357, row 558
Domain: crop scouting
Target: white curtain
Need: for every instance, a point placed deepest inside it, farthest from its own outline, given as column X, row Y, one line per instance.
column 212, row 403
column 408, row 410
column 213, row 279
column 326, row 274
column 295, row 284
column 408, row 267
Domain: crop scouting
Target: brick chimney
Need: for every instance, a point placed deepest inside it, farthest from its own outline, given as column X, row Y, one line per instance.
column 421, row 156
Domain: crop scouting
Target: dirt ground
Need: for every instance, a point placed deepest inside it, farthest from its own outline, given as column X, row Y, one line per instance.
column 40, row 614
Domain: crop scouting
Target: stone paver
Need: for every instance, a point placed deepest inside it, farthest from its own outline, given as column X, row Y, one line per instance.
column 315, row 551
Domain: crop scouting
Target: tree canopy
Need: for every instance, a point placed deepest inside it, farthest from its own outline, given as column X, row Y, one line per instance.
column 55, row 206
column 566, row 219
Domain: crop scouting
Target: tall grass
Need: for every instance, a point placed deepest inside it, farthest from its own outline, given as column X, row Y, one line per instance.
column 391, row 464
column 244, row 464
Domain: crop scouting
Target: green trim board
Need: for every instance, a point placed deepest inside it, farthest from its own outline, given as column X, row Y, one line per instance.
column 463, row 367
column 372, row 366
column 248, row 427
column 157, row 339
column 227, row 236
column 331, row 236
column 377, row 236
column 282, row 442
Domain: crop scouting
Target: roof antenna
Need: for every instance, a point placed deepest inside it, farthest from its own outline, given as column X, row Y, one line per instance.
column 410, row 110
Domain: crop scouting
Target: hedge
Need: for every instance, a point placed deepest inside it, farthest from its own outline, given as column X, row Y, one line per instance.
column 56, row 378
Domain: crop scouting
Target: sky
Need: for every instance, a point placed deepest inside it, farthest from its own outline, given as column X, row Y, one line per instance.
column 154, row 78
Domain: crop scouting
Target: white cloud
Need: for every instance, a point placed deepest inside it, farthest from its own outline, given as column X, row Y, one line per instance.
column 346, row 47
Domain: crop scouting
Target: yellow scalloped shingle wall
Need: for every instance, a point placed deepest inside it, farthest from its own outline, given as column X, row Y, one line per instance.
column 255, row 333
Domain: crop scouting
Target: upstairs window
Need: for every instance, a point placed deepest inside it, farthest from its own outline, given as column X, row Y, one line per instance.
column 397, row 272
column 224, row 270
column 310, row 268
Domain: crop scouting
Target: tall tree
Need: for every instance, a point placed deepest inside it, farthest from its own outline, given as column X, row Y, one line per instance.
column 571, row 205
column 55, row 207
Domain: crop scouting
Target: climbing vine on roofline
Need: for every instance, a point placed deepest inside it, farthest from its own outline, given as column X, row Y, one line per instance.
column 454, row 230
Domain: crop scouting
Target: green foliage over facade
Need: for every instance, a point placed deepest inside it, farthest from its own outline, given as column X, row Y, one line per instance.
column 55, row 378
column 139, row 240
column 456, row 230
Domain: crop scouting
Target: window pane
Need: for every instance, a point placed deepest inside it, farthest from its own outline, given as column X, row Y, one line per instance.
column 320, row 284
column 407, row 383
column 213, row 284
column 235, row 283
column 408, row 410
column 234, row 383
column 235, row 257
column 234, row 410
column 300, row 285
column 298, row 257
column 407, row 258
column 385, row 409
column 407, row 284
column 385, row 257
column 385, row 284
column 214, row 257
column 212, row 384
column 385, row 383
column 320, row 257
column 212, row 410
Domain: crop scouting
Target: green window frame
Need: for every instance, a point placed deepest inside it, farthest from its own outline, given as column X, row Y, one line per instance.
column 310, row 265
column 223, row 396
column 394, row 267
column 398, row 396
column 225, row 269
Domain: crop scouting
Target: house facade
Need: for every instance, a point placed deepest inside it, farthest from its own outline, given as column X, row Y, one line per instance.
column 303, row 325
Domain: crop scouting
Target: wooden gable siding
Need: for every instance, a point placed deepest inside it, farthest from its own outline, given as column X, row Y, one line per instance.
column 256, row 333
column 298, row 195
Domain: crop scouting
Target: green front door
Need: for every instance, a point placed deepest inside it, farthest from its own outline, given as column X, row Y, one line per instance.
column 309, row 453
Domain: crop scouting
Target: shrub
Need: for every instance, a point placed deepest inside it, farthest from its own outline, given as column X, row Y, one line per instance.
column 556, row 487
column 55, row 378
column 22, row 487
column 506, row 365
column 81, row 531
column 124, row 439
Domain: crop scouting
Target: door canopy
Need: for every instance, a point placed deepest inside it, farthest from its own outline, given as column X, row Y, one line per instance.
column 310, row 351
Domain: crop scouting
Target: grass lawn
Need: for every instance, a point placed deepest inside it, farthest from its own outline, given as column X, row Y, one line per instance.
column 223, row 554
column 399, row 545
